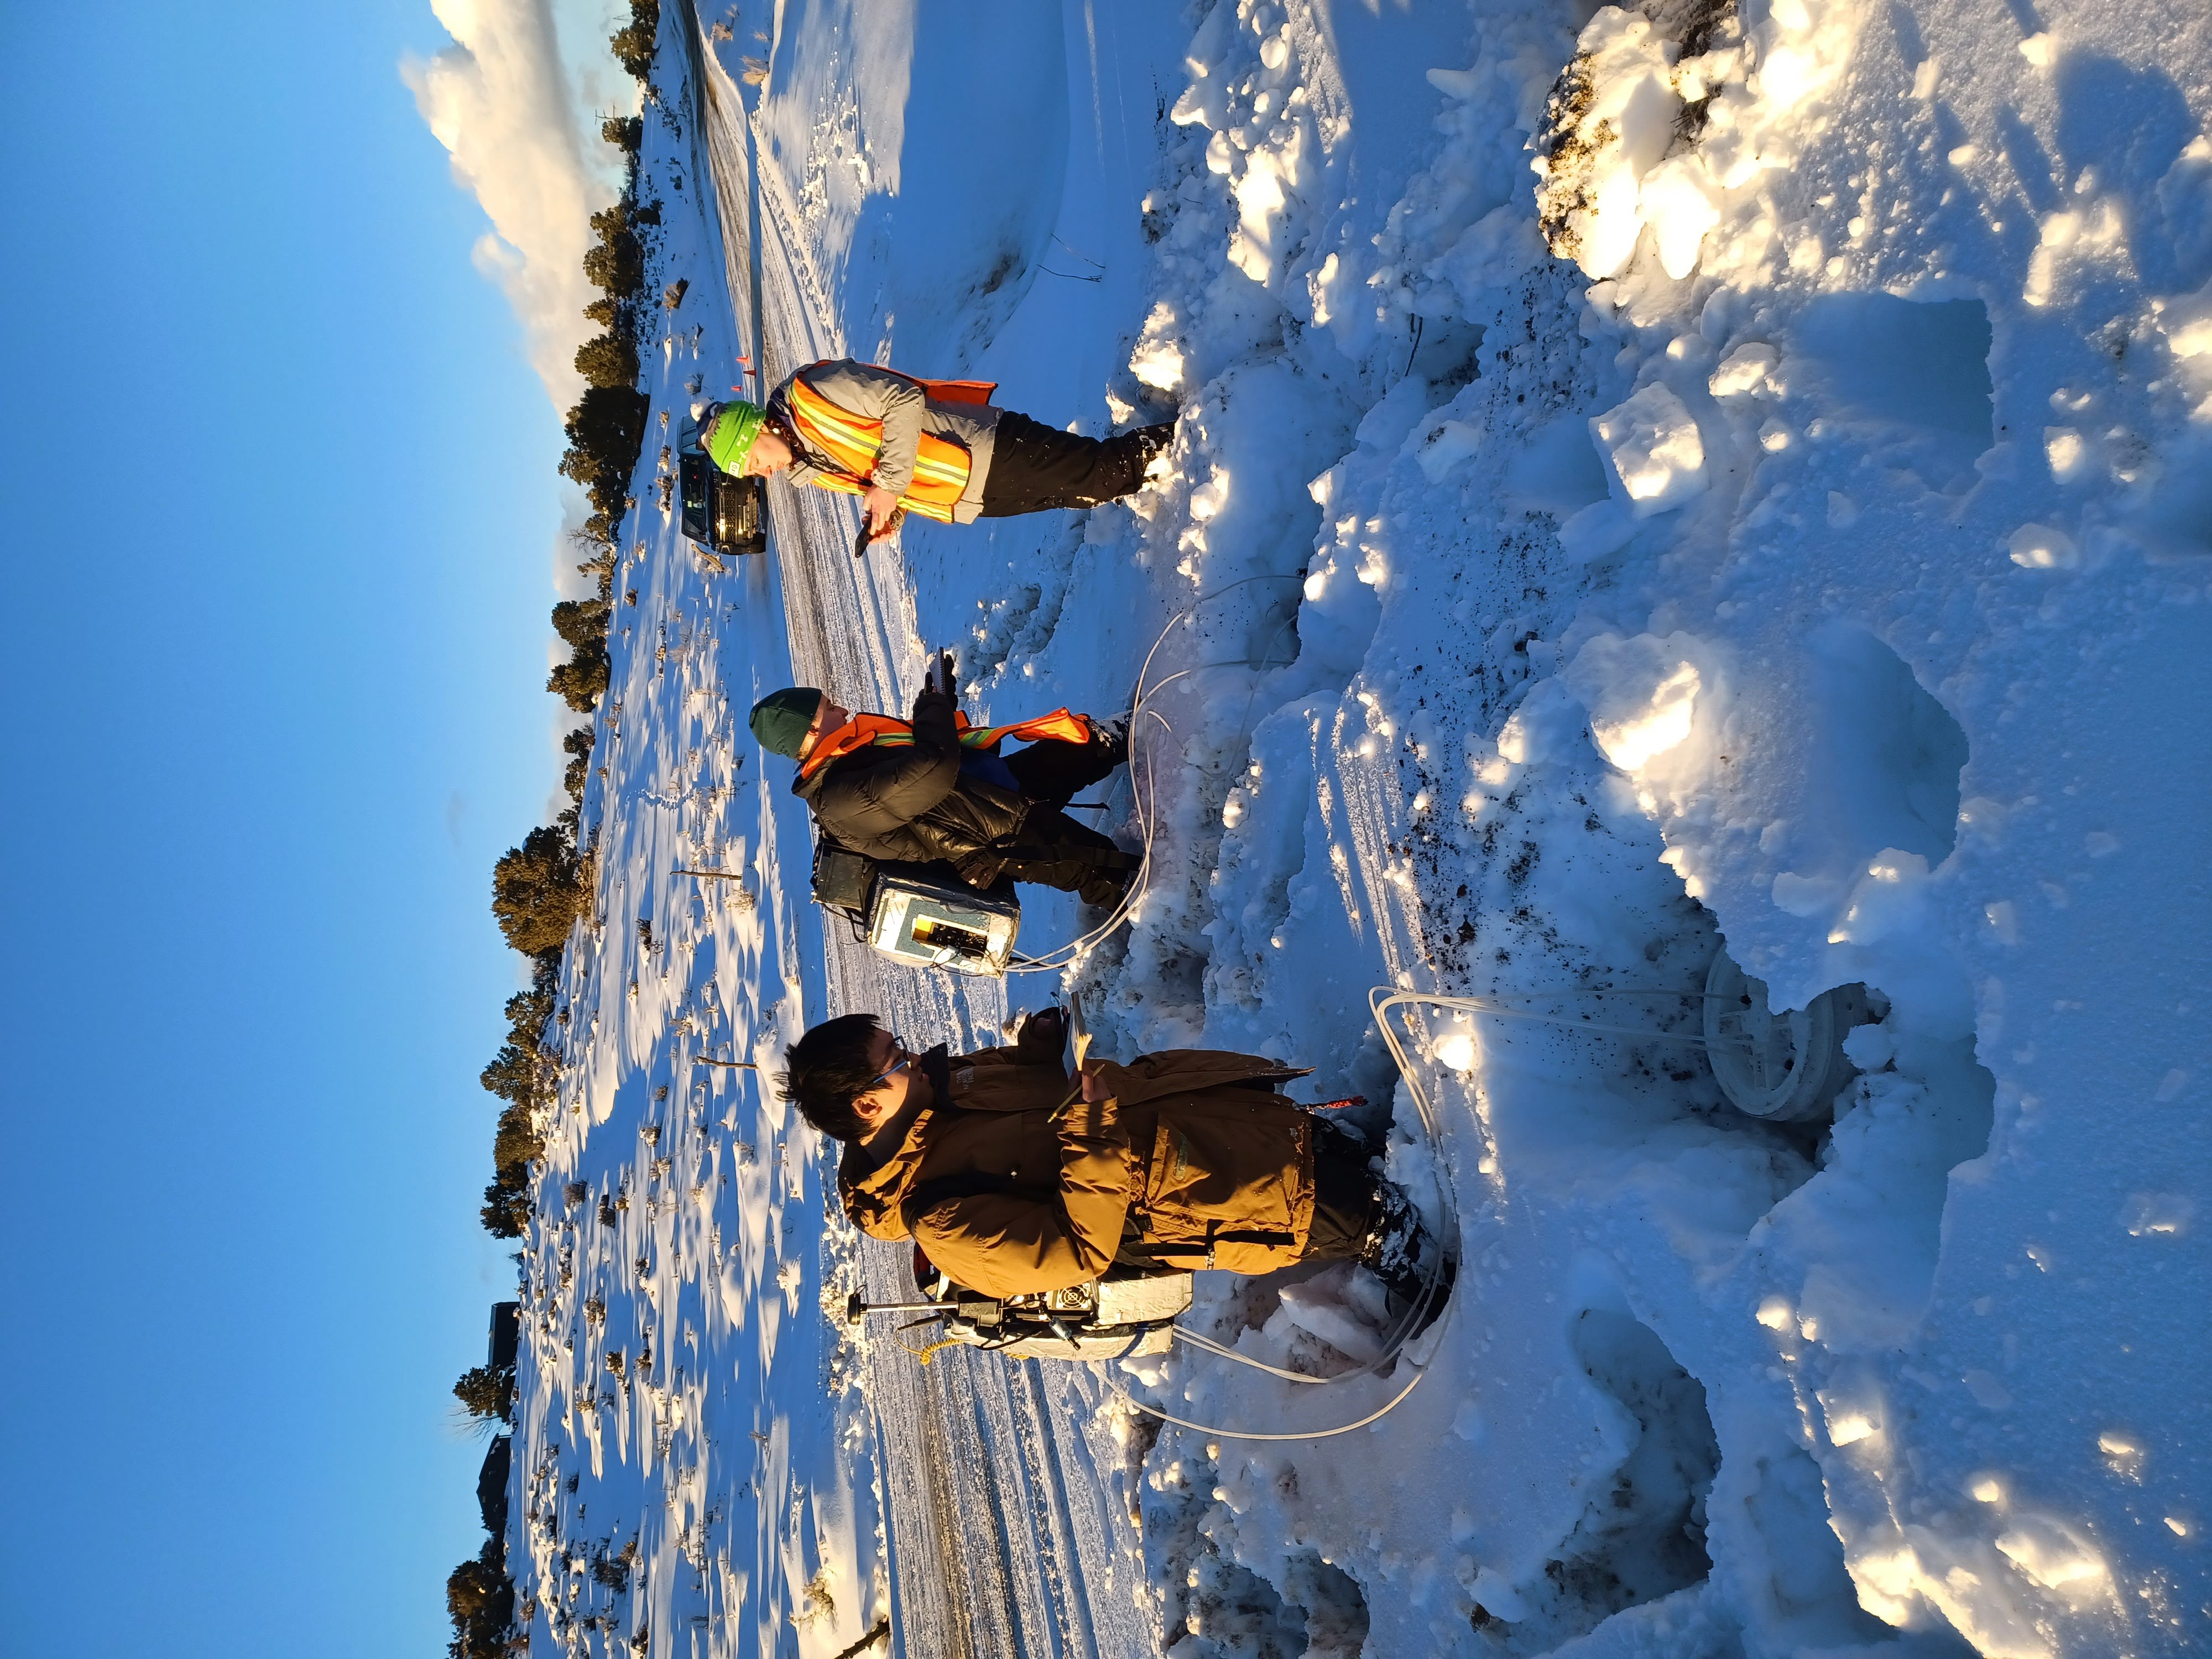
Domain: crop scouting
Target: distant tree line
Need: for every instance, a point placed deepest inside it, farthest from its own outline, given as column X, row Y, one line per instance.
column 521, row 1074
column 606, row 427
column 541, row 887
column 479, row 1594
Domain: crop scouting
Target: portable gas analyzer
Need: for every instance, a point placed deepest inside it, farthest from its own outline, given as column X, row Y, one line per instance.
column 722, row 513
column 922, row 914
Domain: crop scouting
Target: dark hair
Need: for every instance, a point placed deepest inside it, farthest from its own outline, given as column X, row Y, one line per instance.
column 829, row 1068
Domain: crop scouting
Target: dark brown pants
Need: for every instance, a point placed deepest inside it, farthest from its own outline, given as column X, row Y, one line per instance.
column 1053, row 850
column 1052, row 771
column 1344, row 1196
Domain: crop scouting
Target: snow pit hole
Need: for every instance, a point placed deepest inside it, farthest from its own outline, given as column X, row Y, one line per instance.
column 1316, row 1611
column 1446, row 353
column 1556, row 470
column 1883, row 763
column 1643, row 1536
column 1914, row 376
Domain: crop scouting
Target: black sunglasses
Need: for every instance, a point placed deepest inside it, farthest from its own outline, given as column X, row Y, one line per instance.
column 886, row 1075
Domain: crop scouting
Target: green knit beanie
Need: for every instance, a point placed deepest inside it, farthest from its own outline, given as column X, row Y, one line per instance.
column 782, row 720
column 729, row 438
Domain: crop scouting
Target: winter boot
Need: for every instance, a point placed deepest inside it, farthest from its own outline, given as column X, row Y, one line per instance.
column 1400, row 1252
column 1112, row 740
column 1108, row 889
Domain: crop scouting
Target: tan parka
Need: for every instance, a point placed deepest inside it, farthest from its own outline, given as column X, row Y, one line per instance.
column 1015, row 1184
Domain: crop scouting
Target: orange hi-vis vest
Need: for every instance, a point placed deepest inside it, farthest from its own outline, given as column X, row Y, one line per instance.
column 886, row 731
column 940, row 467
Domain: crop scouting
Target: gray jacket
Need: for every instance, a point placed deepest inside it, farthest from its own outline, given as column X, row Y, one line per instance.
column 877, row 394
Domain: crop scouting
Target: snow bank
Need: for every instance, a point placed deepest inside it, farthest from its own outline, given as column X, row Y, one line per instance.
column 1808, row 554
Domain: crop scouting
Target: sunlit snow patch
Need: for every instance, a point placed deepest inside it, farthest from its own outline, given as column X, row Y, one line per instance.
column 1642, row 695
column 1654, row 458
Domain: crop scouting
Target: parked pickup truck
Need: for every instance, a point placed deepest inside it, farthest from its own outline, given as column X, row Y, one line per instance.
column 721, row 513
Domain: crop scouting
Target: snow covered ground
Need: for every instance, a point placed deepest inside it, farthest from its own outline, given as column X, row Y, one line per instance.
column 1646, row 479
column 692, row 1473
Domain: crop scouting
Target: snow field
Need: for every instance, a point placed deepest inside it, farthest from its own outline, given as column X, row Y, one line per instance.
column 694, row 1473
column 1741, row 574
column 1646, row 480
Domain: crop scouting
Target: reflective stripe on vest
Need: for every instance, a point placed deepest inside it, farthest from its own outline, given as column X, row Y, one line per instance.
column 885, row 730
column 940, row 467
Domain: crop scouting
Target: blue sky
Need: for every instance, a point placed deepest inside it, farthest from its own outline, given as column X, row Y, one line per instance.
column 282, row 526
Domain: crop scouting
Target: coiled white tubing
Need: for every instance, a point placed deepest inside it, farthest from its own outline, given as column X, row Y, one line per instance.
column 1381, row 1000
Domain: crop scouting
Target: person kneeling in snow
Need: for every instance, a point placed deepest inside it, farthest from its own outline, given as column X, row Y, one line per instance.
column 937, row 448
column 935, row 788
column 1014, row 1178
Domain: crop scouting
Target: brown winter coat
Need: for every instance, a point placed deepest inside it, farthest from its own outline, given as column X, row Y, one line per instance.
column 1014, row 1184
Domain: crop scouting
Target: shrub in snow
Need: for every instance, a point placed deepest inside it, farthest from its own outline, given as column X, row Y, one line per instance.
column 487, row 1392
column 608, row 359
column 616, row 261
column 522, row 1074
column 625, row 132
column 577, row 745
column 606, row 431
column 506, row 1212
column 581, row 680
column 1621, row 145
column 632, row 45
column 613, row 1571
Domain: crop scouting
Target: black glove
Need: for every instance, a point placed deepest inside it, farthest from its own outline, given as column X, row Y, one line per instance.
column 1042, row 1036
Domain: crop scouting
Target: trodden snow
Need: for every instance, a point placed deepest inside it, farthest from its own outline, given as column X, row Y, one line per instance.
column 1648, row 480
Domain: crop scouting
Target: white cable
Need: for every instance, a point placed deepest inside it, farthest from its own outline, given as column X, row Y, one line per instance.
column 1308, row 1434
column 1207, row 1345
column 1409, row 1323
column 1380, row 1000
column 1146, row 800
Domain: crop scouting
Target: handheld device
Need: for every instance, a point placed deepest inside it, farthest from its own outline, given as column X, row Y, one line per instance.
column 940, row 675
column 1078, row 1039
column 861, row 542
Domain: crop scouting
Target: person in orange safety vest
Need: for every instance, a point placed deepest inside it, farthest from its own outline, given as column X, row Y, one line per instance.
column 936, row 788
column 939, row 448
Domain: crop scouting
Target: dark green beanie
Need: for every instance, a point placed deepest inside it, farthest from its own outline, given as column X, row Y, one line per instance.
column 782, row 719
